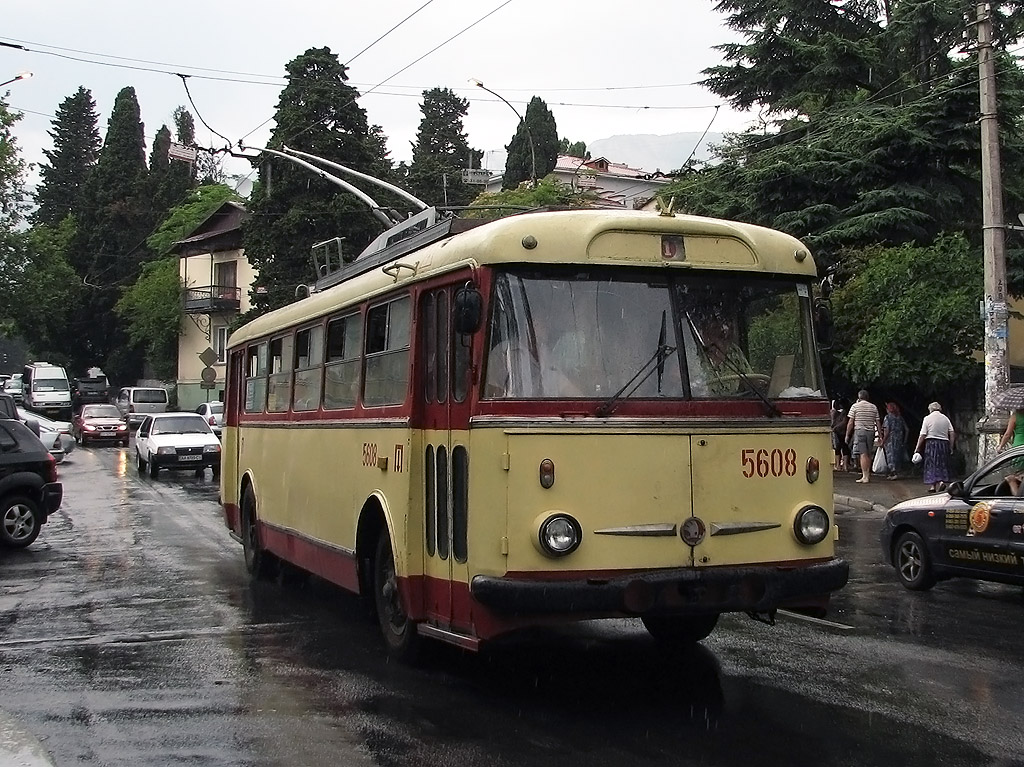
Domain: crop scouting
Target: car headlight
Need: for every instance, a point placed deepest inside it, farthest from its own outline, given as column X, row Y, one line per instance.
column 211, row 449
column 165, row 450
column 122, row 427
column 811, row 525
column 559, row 535
column 88, row 427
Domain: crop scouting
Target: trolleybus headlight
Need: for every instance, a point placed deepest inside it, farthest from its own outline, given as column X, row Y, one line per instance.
column 560, row 534
column 811, row 525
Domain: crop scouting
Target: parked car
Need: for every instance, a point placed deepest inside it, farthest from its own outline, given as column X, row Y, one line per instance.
column 213, row 412
column 974, row 530
column 56, row 435
column 176, row 441
column 29, row 490
column 12, row 386
column 134, row 402
column 99, row 423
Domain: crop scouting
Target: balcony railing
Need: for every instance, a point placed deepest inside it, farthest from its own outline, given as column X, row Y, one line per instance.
column 211, row 299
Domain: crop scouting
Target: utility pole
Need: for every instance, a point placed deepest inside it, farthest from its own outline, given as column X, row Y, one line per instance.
column 993, row 228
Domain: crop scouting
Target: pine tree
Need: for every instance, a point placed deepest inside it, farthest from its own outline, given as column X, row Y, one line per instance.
column 12, row 192
column 539, row 126
column 76, row 146
column 291, row 208
column 441, row 151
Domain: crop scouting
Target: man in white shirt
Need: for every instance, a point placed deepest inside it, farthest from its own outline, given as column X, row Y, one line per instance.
column 864, row 423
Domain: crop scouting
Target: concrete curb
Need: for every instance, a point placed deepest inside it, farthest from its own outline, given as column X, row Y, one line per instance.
column 859, row 504
column 19, row 747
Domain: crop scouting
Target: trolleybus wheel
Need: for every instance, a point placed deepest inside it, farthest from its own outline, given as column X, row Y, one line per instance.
column 399, row 632
column 913, row 565
column 675, row 628
column 258, row 562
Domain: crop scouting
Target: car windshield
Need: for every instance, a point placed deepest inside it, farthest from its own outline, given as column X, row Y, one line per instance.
column 183, row 424
column 637, row 334
column 216, row 408
column 50, row 384
column 100, row 411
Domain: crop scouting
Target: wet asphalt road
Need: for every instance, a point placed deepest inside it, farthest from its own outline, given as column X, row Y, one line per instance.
column 131, row 635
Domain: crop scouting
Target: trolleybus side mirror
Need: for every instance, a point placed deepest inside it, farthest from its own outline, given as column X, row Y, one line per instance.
column 467, row 310
column 823, row 327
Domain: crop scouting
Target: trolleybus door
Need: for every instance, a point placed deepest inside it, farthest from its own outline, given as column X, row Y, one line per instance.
column 445, row 376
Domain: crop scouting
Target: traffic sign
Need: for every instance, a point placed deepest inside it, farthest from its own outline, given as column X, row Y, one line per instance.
column 475, row 175
column 208, row 385
column 209, row 375
column 208, row 356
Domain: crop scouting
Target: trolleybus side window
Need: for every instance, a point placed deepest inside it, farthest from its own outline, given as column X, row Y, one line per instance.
column 341, row 371
column 256, row 378
column 387, row 353
column 309, row 355
column 279, row 384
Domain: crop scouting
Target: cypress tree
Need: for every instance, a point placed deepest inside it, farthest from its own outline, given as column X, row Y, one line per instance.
column 540, row 127
column 441, row 150
column 109, row 247
column 292, row 208
column 76, row 146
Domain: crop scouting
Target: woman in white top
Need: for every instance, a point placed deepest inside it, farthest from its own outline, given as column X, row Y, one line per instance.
column 937, row 438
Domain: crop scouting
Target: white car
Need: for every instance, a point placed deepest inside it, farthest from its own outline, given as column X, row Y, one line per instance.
column 176, row 441
column 51, row 431
column 213, row 412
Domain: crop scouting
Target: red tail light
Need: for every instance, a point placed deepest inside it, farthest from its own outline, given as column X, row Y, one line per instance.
column 212, row 421
column 51, row 468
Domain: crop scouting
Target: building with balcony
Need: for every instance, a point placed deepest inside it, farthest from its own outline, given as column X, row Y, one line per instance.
column 215, row 278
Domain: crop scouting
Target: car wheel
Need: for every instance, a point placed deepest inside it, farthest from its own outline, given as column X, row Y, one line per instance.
column 140, row 463
column 154, row 470
column 20, row 521
column 680, row 629
column 913, row 565
column 399, row 631
column 124, row 443
column 258, row 562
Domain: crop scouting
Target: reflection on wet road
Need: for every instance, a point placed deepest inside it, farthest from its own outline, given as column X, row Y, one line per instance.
column 130, row 634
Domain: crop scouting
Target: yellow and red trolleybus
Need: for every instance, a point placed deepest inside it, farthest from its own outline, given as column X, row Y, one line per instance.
column 548, row 417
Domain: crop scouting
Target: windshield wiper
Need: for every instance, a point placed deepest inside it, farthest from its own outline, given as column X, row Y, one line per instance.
column 656, row 362
column 773, row 412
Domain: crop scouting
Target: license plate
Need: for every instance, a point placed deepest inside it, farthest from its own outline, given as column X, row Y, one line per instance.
column 190, row 458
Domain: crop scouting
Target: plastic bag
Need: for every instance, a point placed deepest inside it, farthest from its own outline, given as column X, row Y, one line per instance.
column 917, row 458
column 880, row 466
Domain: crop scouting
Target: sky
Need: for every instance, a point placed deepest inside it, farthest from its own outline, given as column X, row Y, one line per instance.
column 604, row 68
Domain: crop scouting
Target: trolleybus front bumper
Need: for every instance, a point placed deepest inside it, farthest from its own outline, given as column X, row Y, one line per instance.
column 677, row 591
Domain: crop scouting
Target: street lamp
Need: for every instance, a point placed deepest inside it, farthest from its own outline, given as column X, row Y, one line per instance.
column 19, row 76
column 522, row 121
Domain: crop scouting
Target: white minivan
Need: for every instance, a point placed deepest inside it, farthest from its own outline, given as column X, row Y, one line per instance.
column 46, row 389
column 135, row 402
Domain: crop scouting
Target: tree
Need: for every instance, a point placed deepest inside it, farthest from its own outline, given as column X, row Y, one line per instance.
column 539, row 125
column 441, row 151
column 76, row 146
column 573, row 149
column 888, row 312
column 291, row 208
column 12, row 193
column 109, row 247
column 152, row 313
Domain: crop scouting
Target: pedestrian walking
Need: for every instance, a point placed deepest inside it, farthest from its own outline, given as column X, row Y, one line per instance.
column 894, row 438
column 936, row 445
column 1014, row 433
column 860, row 432
column 839, row 444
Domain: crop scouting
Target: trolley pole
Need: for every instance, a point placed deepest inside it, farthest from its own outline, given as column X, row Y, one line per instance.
column 993, row 228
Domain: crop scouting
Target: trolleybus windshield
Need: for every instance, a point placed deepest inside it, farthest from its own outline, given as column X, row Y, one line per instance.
column 607, row 333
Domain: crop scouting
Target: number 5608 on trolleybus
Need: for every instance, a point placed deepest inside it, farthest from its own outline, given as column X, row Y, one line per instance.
column 548, row 417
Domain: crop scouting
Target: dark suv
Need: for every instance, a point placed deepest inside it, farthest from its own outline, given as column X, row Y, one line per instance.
column 29, row 490
column 86, row 391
